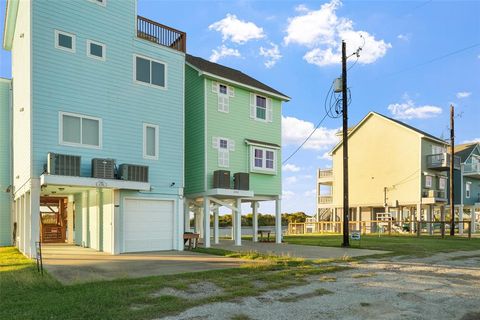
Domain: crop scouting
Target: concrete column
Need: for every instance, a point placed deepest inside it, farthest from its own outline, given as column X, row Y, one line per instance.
column 358, row 217
column 430, row 219
column 117, row 228
column 180, row 224
column 238, row 223
column 85, row 218
column 186, row 215
column 418, row 212
column 23, row 234
column 216, row 229
column 460, row 219
column 234, row 215
column 206, row 222
column 100, row 219
column 34, row 207
column 278, row 220
column 255, row 220
column 474, row 218
column 70, row 222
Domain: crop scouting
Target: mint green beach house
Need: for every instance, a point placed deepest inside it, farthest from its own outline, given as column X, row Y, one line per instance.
column 232, row 146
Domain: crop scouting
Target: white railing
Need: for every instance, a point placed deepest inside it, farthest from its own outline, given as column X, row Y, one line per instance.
column 325, row 199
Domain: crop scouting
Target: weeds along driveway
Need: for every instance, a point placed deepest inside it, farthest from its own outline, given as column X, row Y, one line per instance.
column 72, row 264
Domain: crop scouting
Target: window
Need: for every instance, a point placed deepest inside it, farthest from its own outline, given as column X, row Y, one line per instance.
column 468, row 189
column 64, row 41
column 103, row 3
column 150, row 141
column 224, row 94
column 224, row 146
column 96, row 50
column 438, row 149
column 264, row 159
column 260, row 108
column 80, row 130
column 151, row 72
column 428, row 181
column 442, row 183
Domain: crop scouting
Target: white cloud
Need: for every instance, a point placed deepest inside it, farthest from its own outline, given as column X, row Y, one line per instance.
column 322, row 31
column 310, row 193
column 291, row 180
column 325, row 156
column 463, row 94
column 236, row 30
column 287, row 195
column 295, row 131
column 472, row 141
column 223, row 51
column 301, row 8
column 404, row 37
column 290, row 168
column 272, row 55
column 408, row 110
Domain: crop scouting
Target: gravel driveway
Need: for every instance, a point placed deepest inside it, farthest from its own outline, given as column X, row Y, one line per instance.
column 443, row 286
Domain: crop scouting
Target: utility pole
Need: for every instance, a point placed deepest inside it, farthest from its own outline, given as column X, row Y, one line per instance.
column 346, row 210
column 452, row 157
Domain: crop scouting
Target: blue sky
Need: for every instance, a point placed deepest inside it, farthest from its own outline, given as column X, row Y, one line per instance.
column 418, row 57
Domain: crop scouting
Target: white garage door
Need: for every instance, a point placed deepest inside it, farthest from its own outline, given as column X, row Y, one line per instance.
column 148, row 225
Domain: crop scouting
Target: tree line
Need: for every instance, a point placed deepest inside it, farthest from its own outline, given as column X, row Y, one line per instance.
column 263, row 219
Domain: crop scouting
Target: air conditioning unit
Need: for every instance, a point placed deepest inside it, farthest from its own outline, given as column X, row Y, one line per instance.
column 63, row 164
column 221, row 179
column 103, row 168
column 431, row 193
column 132, row 172
column 241, row 181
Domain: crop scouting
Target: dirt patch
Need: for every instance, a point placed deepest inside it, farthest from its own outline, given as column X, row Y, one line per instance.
column 297, row 297
column 194, row 291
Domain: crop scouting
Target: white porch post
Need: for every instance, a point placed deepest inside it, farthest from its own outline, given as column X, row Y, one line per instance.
column 70, row 220
column 186, row 216
column 460, row 219
column 117, row 227
column 233, row 221
column 255, row 220
column 473, row 218
column 418, row 213
column 430, row 219
column 206, row 222
column 34, row 208
column 180, row 225
column 216, row 236
column 278, row 220
column 238, row 223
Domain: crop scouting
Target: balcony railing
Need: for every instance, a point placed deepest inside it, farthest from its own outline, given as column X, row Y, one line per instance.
column 325, row 199
column 325, row 173
column 441, row 161
column 441, row 194
column 161, row 34
column 471, row 168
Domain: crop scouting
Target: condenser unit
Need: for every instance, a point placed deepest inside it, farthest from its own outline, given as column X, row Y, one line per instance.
column 63, row 164
column 221, row 179
column 241, row 181
column 103, row 168
column 132, row 172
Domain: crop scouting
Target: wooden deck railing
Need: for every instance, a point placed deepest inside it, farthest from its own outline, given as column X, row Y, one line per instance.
column 161, row 34
column 381, row 226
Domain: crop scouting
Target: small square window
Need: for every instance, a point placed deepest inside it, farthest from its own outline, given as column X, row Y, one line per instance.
column 102, row 3
column 96, row 50
column 264, row 159
column 428, row 181
column 80, row 130
column 64, row 41
column 261, row 110
column 222, row 89
column 223, row 144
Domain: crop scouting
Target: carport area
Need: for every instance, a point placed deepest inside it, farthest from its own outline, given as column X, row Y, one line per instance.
column 73, row 264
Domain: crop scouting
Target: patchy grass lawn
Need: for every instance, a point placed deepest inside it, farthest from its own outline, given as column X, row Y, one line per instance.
column 25, row 294
column 398, row 245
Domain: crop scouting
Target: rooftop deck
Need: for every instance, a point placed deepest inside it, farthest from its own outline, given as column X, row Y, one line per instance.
column 160, row 34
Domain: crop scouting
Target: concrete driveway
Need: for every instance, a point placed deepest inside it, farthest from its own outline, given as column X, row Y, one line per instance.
column 73, row 264
column 295, row 250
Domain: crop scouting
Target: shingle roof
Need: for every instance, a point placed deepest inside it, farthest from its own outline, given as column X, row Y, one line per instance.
column 231, row 74
column 464, row 150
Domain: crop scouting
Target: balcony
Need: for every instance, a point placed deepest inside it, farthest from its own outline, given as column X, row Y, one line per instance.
column 472, row 170
column 430, row 196
column 325, row 176
column 327, row 199
column 441, row 162
column 161, row 34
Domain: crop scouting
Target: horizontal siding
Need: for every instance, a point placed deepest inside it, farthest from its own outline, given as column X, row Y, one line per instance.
column 5, row 162
column 73, row 82
column 238, row 125
column 195, row 132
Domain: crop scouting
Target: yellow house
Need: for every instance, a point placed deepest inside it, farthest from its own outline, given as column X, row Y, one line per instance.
column 395, row 171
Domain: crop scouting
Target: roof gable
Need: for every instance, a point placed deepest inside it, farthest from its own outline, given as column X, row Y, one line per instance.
column 466, row 150
column 218, row 70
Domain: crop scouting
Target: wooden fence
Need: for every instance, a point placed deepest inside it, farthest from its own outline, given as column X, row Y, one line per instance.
column 381, row 226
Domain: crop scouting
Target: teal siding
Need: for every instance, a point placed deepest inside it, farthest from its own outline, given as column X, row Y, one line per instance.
column 5, row 163
column 195, row 132
column 73, row 82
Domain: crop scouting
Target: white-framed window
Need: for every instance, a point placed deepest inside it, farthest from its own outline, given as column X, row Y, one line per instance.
column 261, row 108
column 442, row 183
column 102, row 3
column 65, row 41
column 80, row 130
column 436, row 149
column 96, row 50
column 223, row 146
column 150, row 141
column 264, row 159
column 150, row 72
column 428, row 181
column 224, row 93
column 468, row 187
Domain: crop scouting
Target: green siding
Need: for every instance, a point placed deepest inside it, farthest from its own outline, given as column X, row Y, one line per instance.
column 5, row 164
column 238, row 126
column 194, row 132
